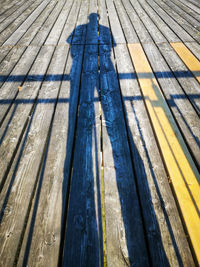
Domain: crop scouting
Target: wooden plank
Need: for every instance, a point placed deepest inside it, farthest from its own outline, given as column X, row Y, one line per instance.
column 9, row 62
column 78, row 15
column 186, row 15
column 9, row 8
column 179, row 31
column 6, row 6
column 195, row 2
column 190, row 5
column 12, row 17
column 188, row 10
column 4, row 51
column 182, row 171
column 187, row 119
column 124, row 227
column 9, row 90
column 104, row 29
column 38, row 24
column 17, row 22
column 49, row 221
column 150, row 26
column 84, row 228
column 162, row 26
column 92, row 25
column 15, row 36
column 141, row 31
column 27, row 38
column 57, row 29
column 188, row 58
column 117, row 33
column 21, row 109
column 188, row 83
column 26, row 174
column 189, row 28
column 83, row 231
column 127, row 27
column 46, row 28
column 194, row 48
column 165, row 236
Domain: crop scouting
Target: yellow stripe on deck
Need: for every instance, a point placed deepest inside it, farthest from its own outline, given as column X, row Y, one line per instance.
column 188, row 58
column 181, row 168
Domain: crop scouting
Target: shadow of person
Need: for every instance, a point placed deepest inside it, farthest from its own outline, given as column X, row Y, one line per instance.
column 93, row 81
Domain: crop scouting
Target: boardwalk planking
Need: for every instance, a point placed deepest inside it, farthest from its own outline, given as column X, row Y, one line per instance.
column 29, row 165
column 179, row 31
column 182, row 171
column 10, row 10
column 190, row 28
column 21, row 110
column 188, row 58
column 15, row 24
column 52, row 23
column 187, row 119
column 187, row 81
column 122, row 212
column 164, row 233
column 185, row 13
column 14, row 38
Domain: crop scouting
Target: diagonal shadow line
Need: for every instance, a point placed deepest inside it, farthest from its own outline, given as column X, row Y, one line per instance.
column 66, row 77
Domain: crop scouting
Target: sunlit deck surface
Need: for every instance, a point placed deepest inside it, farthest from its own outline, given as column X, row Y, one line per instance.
column 99, row 133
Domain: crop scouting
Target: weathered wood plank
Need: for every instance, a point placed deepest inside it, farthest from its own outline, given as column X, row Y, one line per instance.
column 9, row 8
column 78, row 15
column 46, row 28
column 155, row 33
column 15, row 36
column 191, row 5
column 189, row 28
column 188, row 83
column 9, row 62
column 104, row 29
column 183, row 174
column 9, row 90
column 194, row 48
column 188, row 10
column 163, row 228
column 38, row 24
column 186, row 15
column 12, row 17
column 26, row 175
column 126, row 25
column 6, row 6
column 187, row 119
column 4, row 51
column 17, row 22
column 162, row 26
column 83, row 231
column 56, row 31
column 188, row 58
column 141, row 31
column 20, row 111
column 84, row 228
column 124, row 227
column 179, row 31
column 45, row 240
column 116, row 29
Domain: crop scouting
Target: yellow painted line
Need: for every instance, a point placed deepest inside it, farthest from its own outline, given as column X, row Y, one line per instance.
column 181, row 168
column 188, row 58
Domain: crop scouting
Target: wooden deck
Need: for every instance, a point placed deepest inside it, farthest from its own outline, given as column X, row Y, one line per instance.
column 99, row 133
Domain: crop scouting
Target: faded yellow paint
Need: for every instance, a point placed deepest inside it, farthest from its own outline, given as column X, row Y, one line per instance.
column 182, row 171
column 188, row 58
